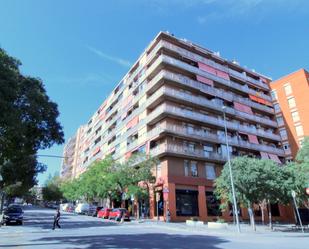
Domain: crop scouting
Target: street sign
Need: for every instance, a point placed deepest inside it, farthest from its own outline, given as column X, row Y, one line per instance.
column 165, row 190
column 293, row 194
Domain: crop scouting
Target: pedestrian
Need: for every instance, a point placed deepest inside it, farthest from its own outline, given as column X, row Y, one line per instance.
column 56, row 219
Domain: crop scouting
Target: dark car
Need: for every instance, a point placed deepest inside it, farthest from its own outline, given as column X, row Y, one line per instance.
column 13, row 214
column 117, row 212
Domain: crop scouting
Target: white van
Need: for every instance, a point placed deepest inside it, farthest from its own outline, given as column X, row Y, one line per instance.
column 82, row 208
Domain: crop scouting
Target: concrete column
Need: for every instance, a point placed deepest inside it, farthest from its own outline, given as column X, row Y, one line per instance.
column 202, row 208
column 172, row 200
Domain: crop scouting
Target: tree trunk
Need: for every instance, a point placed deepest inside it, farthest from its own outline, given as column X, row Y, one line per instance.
column 137, row 209
column 251, row 215
column 269, row 216
column 263, row 214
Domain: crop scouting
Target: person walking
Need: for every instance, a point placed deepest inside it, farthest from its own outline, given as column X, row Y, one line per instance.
column 56, row 219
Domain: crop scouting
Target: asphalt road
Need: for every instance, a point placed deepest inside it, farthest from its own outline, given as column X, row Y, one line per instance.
column 89, row 232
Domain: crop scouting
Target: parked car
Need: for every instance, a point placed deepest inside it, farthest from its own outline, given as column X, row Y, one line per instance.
column 104, row 213
column 116, row 214
column 82, row 208
column 13, row 214
column 93, row 210
column 66, row 207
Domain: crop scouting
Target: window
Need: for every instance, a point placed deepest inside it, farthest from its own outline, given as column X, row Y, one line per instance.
column 274, row 95
column 210, row 171
column 280, row 120
column 189, row 146
column 288, row 89
column 158, row 169
column 277, row 107
column 194, row 172
column 291, row 102
column 207, row 150
column 286, row 146
column 190, row 129
column 213, row 204
column 186, row 203
column 283, row 134
column 299, row 130
column 186, row 167
column 295, row 116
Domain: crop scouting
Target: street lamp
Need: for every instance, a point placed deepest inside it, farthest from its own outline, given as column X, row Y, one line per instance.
column 230, row 169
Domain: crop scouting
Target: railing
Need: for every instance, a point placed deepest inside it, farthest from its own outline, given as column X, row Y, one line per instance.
column 197, row 58
column 211, row 120
column 198, row 134
column 182, row 150
column 169, row 60
column 164, row 90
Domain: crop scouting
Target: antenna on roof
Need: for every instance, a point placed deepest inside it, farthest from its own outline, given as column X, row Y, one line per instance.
column 235, row 62
column 217, row 53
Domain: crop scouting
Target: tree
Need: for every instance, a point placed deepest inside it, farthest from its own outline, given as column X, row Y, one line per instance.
column 51, row 191
column 28, row 122
column 255, row 181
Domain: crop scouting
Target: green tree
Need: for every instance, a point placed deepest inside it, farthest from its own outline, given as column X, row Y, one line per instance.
column 28, row 122
column 255, row 181
column 51, row 191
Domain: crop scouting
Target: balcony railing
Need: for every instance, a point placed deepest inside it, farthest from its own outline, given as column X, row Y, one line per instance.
column 208, row 136
column 184, row 151
column 208, row 103
column 197, row 58
column 169, row 60
column 173, row 110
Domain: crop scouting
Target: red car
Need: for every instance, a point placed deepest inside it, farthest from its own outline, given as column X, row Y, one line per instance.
column 116, row 214
column 104, row 213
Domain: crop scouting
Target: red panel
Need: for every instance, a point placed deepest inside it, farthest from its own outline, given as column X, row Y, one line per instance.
column 253, row 139
column 243, row 108
column 275, row 158
column 132, row 122
column 223, row 75
column 128, row 155
column 204, row 80
column 206, row 68
column 96, row 151
column 264, row 155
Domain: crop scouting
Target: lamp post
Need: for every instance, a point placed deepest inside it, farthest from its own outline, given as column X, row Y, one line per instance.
column 231, row 174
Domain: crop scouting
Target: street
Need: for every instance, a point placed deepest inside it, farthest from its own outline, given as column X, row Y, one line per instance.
column 90, row 232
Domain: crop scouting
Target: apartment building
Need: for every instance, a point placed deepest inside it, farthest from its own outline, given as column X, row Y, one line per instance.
column 290, row 98
column 170, row 105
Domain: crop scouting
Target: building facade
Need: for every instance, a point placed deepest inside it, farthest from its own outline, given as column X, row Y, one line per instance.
column 170, row 105
column 290, row 98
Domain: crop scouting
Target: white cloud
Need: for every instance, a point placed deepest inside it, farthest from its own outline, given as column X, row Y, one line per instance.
column 103, row 55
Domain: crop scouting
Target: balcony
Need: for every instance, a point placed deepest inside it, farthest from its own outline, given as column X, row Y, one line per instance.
column 180, row 150
column 164, row 90
column 187, row 114
column 212, row 137
column 177, row 63
column 196, row 58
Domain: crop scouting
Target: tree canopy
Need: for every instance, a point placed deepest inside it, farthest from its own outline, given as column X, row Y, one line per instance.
column 28, row 122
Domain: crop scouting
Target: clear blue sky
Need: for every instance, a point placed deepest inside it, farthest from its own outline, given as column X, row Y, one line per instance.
column 81, row 49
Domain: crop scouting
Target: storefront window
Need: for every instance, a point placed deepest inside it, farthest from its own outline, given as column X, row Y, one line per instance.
column 213, row 204
column 186, row 203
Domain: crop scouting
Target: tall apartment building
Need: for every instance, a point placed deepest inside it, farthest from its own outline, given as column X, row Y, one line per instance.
column 290, row 97
column 170, row 105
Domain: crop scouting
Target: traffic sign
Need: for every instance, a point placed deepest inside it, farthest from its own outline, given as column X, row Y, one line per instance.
column 165, row 190
column 293, row 194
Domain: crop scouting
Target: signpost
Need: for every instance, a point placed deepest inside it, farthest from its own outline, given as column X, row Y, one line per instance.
column 294, row 199
column 157, row 199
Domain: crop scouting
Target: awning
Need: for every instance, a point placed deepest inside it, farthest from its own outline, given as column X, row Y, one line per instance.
column 206, row 68
column 132, row 122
